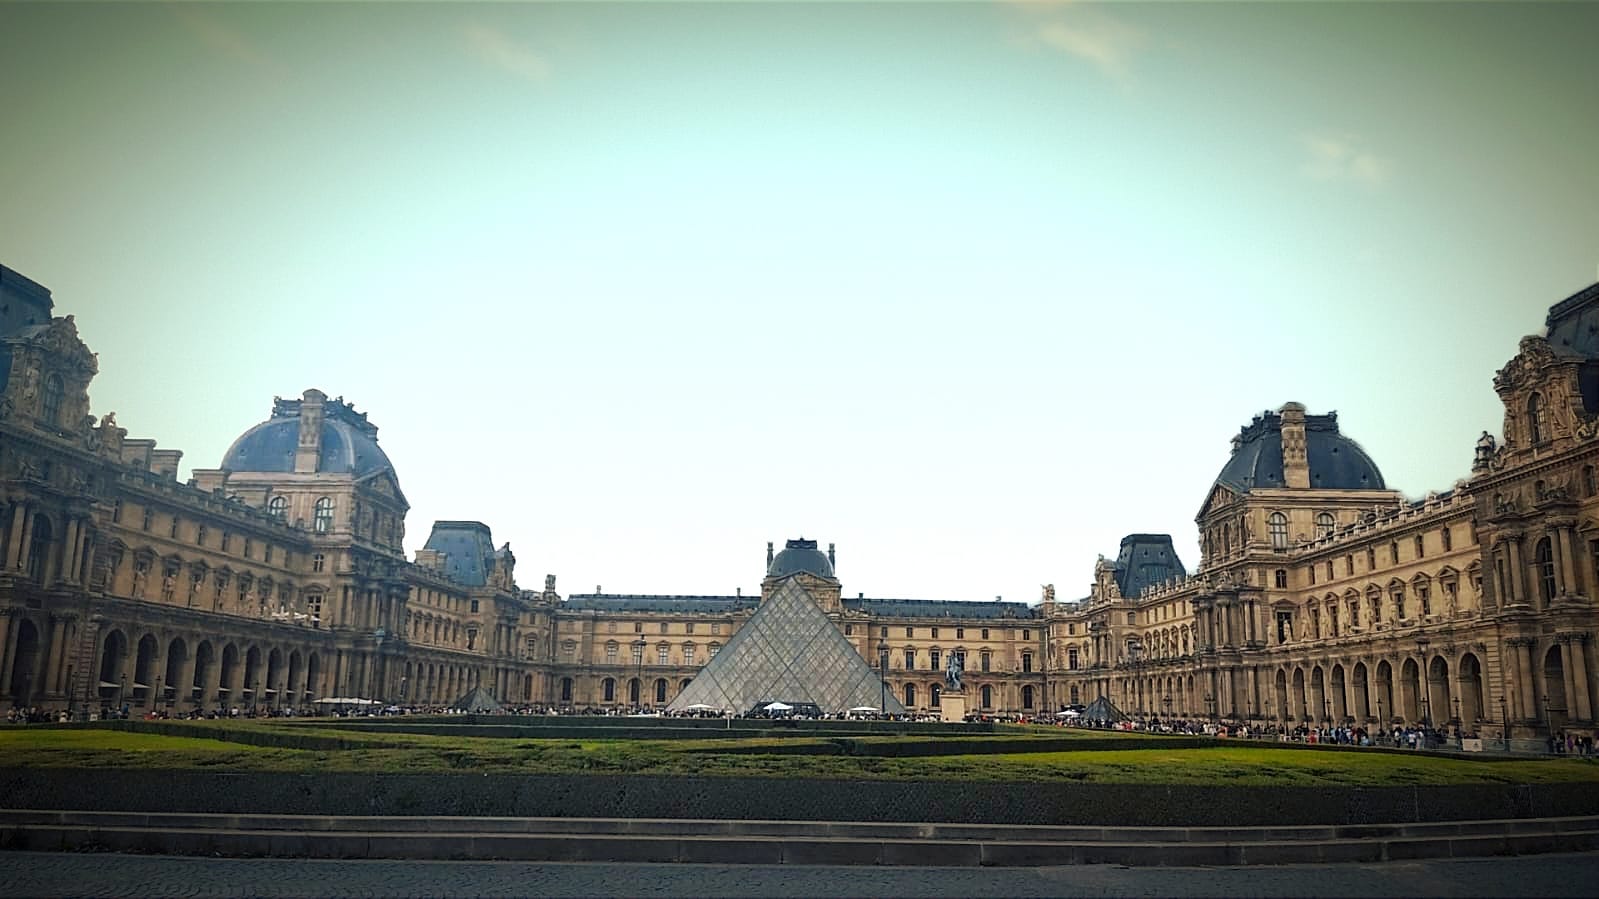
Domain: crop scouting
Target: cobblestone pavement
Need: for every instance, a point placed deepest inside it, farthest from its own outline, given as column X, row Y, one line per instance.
column 41, row 874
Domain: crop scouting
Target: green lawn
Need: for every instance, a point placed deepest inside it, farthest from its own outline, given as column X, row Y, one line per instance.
column 401, row 752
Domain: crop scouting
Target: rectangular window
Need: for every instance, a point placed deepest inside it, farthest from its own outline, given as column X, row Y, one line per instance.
column 960, row 633
column 147, row 517
column 662, row 654
column 1285, row 626
column 227, row 541
column 1349, row 565
column 474, row 605
column 933, row 657
column 1071, row 627
column 716, row 627
column 1448, row 538
column 269, row 553
column 882, row 632
column 638, row 627
column 985, row 633
column 1312, row 574
column 663, row 627
column 1354, row 613
column 910, row 631
column 688, row 627
column 1027, row 634
column 849, row 630
column 175, row 521
column 1027, row 663
column 199, row 535
column 610, row 653
column 1071, row 659
column 1280, row 578
column 985, row 659
column 935, row 633
column 1329, row 570
column 638, row 653
column 247, row 547
column 1421, row 547
column 1371, row 558
column 910, row 660
column 688, row 654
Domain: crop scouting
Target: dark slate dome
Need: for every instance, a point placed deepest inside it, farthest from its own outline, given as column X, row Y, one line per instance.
column 797, row 556
column 1335, row 461
column 349, row 442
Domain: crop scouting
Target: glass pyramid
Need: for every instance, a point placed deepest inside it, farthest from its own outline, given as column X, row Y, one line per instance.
column 788, row 651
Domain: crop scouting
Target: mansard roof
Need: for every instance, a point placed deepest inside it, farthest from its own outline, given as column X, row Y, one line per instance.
column 657, row 605
column 954, row 609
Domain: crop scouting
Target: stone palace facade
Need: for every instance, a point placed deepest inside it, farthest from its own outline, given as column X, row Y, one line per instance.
column 280, row 577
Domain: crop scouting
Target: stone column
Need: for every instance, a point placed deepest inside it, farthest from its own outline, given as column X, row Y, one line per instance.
column 69, row 545
column 1569, row 681
column 184, row 689
column 6, row 633
column 1529, row 698
column 19, row 518
column 52, row 672
column 1515, row 590
column 1568, row 576
column 1579, row 668
column 26, row 539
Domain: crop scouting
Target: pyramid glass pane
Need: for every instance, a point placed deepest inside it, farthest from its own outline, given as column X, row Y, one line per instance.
column 788, row 651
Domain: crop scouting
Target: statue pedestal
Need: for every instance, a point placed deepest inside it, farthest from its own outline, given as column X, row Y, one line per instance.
column 952, row 707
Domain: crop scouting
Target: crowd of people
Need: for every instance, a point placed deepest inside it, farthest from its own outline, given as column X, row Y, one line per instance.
column 1411, row 736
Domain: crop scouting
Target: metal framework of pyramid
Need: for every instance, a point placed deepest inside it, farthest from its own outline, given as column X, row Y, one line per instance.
column 789, row 651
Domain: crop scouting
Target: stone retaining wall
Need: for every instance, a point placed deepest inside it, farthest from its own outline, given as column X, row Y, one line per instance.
column 607, row 796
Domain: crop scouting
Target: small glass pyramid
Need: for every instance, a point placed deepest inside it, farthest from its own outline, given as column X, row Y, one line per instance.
column 789, row 651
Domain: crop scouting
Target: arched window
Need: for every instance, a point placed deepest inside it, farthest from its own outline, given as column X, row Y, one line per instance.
column 1535, row 422
column 1546, row 569
column 1325, row 524
column 50, row 403
column 910, row 696
column 322, row 522
column 1277, row 527
column 278, row 507
column 988, row 697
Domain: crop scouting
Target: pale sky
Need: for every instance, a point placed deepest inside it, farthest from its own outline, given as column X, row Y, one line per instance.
column 971, row 290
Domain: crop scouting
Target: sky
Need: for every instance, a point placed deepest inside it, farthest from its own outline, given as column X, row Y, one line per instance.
column 971, row 290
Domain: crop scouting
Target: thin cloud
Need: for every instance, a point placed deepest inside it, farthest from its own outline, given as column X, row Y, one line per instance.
column 1108, row 43
column 1343, row 158
column 222, row 39
column 500, row 50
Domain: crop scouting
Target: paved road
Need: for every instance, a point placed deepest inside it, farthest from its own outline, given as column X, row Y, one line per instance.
column 29, row 874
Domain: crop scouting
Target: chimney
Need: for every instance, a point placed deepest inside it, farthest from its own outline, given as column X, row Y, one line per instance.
column 309, row 449
column 1296, row 465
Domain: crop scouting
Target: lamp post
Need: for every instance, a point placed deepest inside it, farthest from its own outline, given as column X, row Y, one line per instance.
column 1548, row 717
column 1504, row 715
column 1210, row 706
column 122, row 692
column 155, row 700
